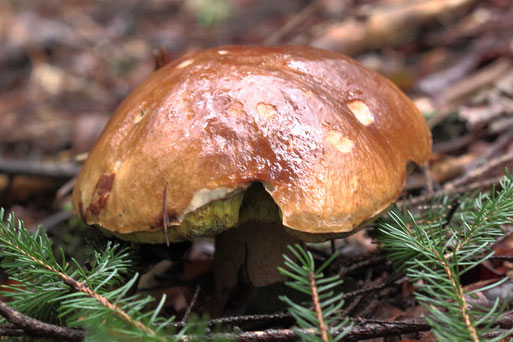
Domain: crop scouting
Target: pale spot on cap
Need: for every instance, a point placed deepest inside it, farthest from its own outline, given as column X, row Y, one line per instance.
column 117, row 166
column 184, row 64
column 235, row 109
column 361, row 111
column 222, row 52
column 265, row 110
column 341, row 143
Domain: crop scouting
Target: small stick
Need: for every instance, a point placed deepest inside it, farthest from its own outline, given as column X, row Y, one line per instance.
column 317, row 305
column 456, row 190
column 10, row 330
column 333, row 247
column 452, row 210
column 37, row 328
column 38, row 168
column 298, row 19
column 64, row 190
column 165, row 218
column 429, row 180
column 191, row 305
column 360, row 331
column 231, row 320
column 53, row 220
column 361, row 261
column 498, row 145
column 393, row 280
column 479, row 171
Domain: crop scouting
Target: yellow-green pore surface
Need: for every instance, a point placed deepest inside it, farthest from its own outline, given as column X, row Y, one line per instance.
column 329, row 139
column 216, row 217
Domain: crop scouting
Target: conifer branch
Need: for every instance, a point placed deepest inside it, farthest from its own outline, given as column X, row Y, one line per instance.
column 325, row 317
column 438, row 254
column 57, row 292
column 317, row 306
column 462, row 303
column 81, row 287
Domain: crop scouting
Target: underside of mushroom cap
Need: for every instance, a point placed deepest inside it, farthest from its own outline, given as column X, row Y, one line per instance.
column 329, row 139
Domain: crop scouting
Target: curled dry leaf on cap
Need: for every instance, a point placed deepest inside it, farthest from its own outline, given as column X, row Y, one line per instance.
column 259, row 146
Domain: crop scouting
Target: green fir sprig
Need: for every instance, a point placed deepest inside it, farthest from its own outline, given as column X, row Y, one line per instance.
column 322, row 315
column 436, row 251
column 70, row 295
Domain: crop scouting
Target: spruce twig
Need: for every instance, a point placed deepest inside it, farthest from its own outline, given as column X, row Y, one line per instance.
column 437, row 254
column 81, row 287
column 191, row 305
column 56, row 292
column 462, row 303
column 317, row 306
column 325, row 316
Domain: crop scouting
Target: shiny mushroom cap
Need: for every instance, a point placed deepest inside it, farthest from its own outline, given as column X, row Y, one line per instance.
column 328, row 139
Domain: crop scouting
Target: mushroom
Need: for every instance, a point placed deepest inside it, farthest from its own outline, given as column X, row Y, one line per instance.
column 258, row 146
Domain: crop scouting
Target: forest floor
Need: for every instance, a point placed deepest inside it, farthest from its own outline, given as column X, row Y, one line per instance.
column 66, row 65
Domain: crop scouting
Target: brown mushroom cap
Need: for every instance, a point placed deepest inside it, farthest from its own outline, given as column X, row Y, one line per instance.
column 328, row 138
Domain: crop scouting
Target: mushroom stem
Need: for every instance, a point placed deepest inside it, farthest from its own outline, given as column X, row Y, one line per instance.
column 257, row 246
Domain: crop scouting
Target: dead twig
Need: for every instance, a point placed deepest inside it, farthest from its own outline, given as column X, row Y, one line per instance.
column 292, row 24
column 165, row 217
column 38, row 168
column 80, row 287
column 429, row 179
column 392, row 281
column 500, row 144
column 360, row 262
column 233, row 320
column 361, row 330
column 458, row 91
column 36, row 328
column 455, row 144
column 191, row 305
column 53, row 220
column 65, row 190
column 446, row 192
column 479, row 171
column 10, row 330
column 286, row 317
column 501, row 257
column 385, row 25
column 477, row 80
column 317, row 306
column 452, row 210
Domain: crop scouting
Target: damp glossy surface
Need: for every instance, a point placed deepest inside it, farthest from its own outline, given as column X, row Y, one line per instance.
column 227, row 117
